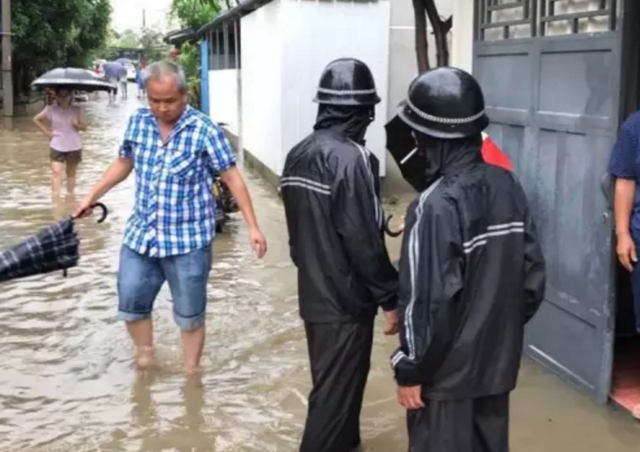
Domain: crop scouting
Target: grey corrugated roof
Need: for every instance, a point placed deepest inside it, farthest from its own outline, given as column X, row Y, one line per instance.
column 179, row 36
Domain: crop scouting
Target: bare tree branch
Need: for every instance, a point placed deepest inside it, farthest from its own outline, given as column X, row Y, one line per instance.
column 422, row 45
column 439, row 31
column 448, row 24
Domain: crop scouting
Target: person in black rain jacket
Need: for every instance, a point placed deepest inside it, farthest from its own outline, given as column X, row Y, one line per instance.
column 330, row 189
column 472, row 274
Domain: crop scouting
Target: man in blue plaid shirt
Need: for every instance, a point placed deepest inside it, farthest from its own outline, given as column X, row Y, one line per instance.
column 174, row 150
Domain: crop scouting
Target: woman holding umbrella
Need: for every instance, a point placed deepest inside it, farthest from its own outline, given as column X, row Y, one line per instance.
column 65, row 122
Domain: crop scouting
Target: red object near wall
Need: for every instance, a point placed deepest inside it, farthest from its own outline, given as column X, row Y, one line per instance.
column 492, row 154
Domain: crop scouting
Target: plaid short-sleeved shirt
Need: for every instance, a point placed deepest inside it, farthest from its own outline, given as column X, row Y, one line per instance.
column 174, row 209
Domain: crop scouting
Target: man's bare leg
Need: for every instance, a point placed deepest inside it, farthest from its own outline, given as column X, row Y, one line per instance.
column 192, row 346
column 141, row 332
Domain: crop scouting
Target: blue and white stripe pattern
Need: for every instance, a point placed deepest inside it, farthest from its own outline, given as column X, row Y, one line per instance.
column 174, row 202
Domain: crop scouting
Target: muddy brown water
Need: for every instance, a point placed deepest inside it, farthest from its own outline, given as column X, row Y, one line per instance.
column 66, row 377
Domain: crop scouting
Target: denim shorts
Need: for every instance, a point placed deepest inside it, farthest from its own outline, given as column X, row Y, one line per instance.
column 141, row 277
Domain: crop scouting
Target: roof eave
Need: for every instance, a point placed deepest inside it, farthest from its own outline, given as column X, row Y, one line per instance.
column 178, row 37
column 238, row 12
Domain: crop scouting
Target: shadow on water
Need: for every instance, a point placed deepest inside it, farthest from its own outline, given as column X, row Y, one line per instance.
column 67, row 381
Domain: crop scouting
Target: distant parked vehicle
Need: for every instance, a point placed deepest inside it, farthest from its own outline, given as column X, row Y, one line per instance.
column 131, row 72
column 129, row 66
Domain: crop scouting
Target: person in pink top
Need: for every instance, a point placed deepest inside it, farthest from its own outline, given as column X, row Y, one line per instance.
column 65, row 122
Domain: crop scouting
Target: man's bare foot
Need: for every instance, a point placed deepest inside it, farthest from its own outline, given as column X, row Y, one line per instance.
column 145, row 358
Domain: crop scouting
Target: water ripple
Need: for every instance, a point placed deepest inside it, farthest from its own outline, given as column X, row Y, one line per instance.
column 67, row 381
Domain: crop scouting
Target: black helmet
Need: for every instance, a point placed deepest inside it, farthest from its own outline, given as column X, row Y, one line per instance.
column 445, row 103
column 347, row 82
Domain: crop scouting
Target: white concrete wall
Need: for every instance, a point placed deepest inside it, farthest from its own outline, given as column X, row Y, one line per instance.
column 262, row 50
column 462, row 34
column 285, row 46
column 318, row 33
column 223, row 98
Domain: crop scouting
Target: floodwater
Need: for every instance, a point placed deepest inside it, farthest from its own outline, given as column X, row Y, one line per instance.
column 67, row 381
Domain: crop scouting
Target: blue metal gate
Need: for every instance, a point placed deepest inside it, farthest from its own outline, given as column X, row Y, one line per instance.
column 551, row 72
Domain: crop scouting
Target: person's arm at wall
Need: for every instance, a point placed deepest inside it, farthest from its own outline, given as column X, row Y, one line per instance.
column 622, row 166
column 625, row 190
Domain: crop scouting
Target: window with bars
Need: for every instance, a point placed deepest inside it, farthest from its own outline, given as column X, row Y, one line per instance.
column 517, row 19
column 224, row 47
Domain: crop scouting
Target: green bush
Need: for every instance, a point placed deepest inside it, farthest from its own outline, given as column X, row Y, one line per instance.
column 195, row 13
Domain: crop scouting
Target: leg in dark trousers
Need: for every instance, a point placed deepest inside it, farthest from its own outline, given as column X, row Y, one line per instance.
column 340, row 356
column 470, row 425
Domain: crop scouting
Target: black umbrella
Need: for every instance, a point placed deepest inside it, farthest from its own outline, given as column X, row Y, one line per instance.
column 53, row 248
column 402, row 146
column 73, row 79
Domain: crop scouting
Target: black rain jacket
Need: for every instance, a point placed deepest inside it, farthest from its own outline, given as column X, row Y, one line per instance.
column 329, row 186
column 472, row 274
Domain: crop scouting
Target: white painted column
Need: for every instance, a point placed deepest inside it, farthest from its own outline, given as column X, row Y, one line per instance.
column 462, row 44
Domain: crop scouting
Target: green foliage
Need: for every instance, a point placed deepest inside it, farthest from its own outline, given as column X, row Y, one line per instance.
column 113, row 38
column 128, row 39
column 154, row 47
column 54, row 33
column 189, row 60
column 195, row 13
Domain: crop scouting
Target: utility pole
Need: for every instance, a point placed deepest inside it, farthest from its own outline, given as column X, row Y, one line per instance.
column 7, row 79
column 144, row 18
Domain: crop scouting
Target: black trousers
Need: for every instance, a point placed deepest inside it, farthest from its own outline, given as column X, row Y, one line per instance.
column 340, row 356
column 470, row 425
